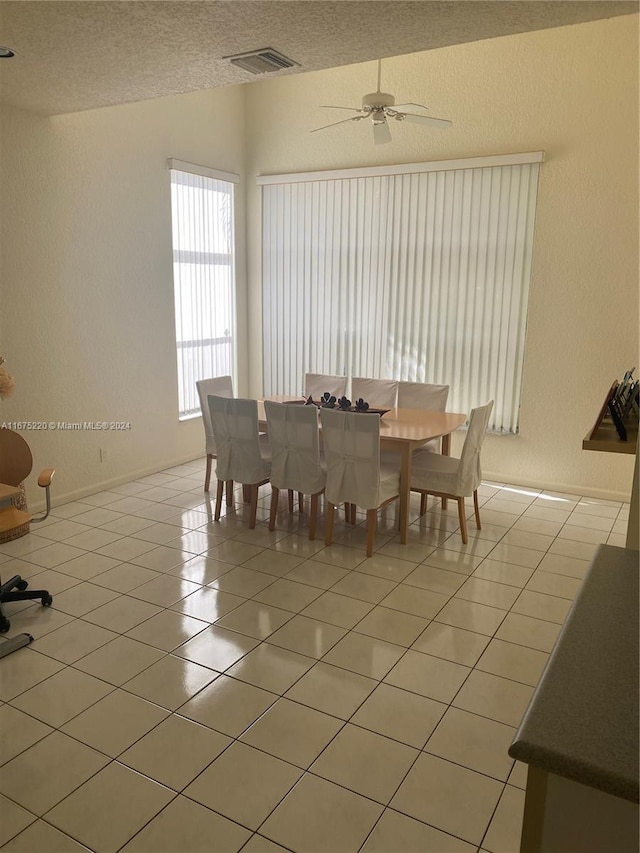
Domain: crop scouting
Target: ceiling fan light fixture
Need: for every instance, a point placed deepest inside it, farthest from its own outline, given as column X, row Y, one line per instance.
column 6, row 53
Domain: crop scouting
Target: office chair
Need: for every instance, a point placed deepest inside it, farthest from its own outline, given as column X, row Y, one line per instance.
column 16, row 463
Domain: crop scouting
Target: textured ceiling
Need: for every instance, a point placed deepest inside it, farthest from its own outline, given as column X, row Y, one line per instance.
column 80, row 54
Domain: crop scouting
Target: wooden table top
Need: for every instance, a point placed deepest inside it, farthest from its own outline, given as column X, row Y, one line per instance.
column 413, row 426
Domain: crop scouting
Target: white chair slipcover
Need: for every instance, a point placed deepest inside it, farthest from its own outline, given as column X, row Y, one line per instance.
column 222, row 386
column 448, row 477
column 315, row 385
column 354, row 473
column 241, row 455
column 378, row 393
column 295, row 456
column 422, row 395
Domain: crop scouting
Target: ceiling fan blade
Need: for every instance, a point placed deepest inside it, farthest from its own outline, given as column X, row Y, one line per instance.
column 333, row 124
column 381, row 133
column 426, row 120
column 400, row 107
column 334, row 107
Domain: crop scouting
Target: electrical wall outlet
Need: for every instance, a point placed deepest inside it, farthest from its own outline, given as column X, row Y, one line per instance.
column 103, row 454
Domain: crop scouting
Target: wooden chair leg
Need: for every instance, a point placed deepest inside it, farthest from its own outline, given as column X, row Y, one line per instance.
column 347, row 513
column 328, row 536
column 353, row 514
column 229, row 492
column 463, row 521
column 254, row 506
column 207, row 473
column 219, row 492
column 476, row 509
column 290, row 493
column 246, row 493
column 300, row 502
column 371, row 530
column 273, row 509
column 445, row 503
column 423, row 503
column 313, row 517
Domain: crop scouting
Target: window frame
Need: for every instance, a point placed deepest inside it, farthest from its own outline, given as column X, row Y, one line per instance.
column 187, row 399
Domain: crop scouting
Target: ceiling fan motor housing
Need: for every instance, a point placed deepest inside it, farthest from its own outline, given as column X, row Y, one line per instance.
column 378, row 99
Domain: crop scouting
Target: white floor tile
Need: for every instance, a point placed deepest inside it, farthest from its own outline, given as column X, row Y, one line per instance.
column 399, row 714
column 318, row 815
column 429, row 676
column 365, row 762
column 403, row 834
column 292, row 732
column 228, row 705
column 435, row 790
column 185, row 825
column 175, row 768
column 474, row 742
column 335, row 672
column 331, row 689
column 133, row 800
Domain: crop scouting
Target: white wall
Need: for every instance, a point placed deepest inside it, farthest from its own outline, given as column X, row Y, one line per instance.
column 86, row 293
column 86, row 301
column 571, row 91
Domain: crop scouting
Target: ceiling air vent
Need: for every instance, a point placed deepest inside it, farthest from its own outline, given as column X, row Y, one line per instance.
column 261, row 61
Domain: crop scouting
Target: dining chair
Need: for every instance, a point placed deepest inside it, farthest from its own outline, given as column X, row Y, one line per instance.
column 354, row 473
column 423, row 395
column 315, row 385
column 448, row 477
column 222, row 386
column 295, row 457
column 382, row 393
column 241, row 456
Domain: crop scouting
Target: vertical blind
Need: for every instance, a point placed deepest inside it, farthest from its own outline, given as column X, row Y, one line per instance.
column 203, row 277
column 419, row 274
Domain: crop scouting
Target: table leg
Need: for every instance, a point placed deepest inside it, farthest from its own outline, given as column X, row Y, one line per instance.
column 446, row 451
column 405, row 489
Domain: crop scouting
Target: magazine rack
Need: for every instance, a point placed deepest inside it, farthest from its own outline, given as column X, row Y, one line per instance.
column 604, row 436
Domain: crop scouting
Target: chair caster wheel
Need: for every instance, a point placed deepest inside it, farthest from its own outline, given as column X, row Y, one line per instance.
column 47, row 600
column 22, row 585
column 4, row 625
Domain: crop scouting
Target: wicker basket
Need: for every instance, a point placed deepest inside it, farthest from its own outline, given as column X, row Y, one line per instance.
column 19, row 502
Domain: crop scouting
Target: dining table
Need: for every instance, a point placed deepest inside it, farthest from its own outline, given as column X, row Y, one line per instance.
column 401, row 431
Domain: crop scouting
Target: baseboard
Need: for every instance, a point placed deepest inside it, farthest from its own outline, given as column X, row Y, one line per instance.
column 496, row 477
column 565, row 488
column 104, row 485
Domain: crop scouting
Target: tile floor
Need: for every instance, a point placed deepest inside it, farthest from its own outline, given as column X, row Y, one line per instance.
column 198, row 686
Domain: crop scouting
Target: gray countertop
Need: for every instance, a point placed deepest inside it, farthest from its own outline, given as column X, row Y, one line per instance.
column 582, row 721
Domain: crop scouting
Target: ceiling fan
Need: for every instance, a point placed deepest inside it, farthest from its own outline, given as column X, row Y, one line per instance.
column 380, row 106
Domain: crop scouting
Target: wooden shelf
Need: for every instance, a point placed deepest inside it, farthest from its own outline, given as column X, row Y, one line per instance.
column 603, row 435
column 605, row 438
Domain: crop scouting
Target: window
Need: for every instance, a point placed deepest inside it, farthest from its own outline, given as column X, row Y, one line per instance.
column 203, row 277
column 417, row 272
